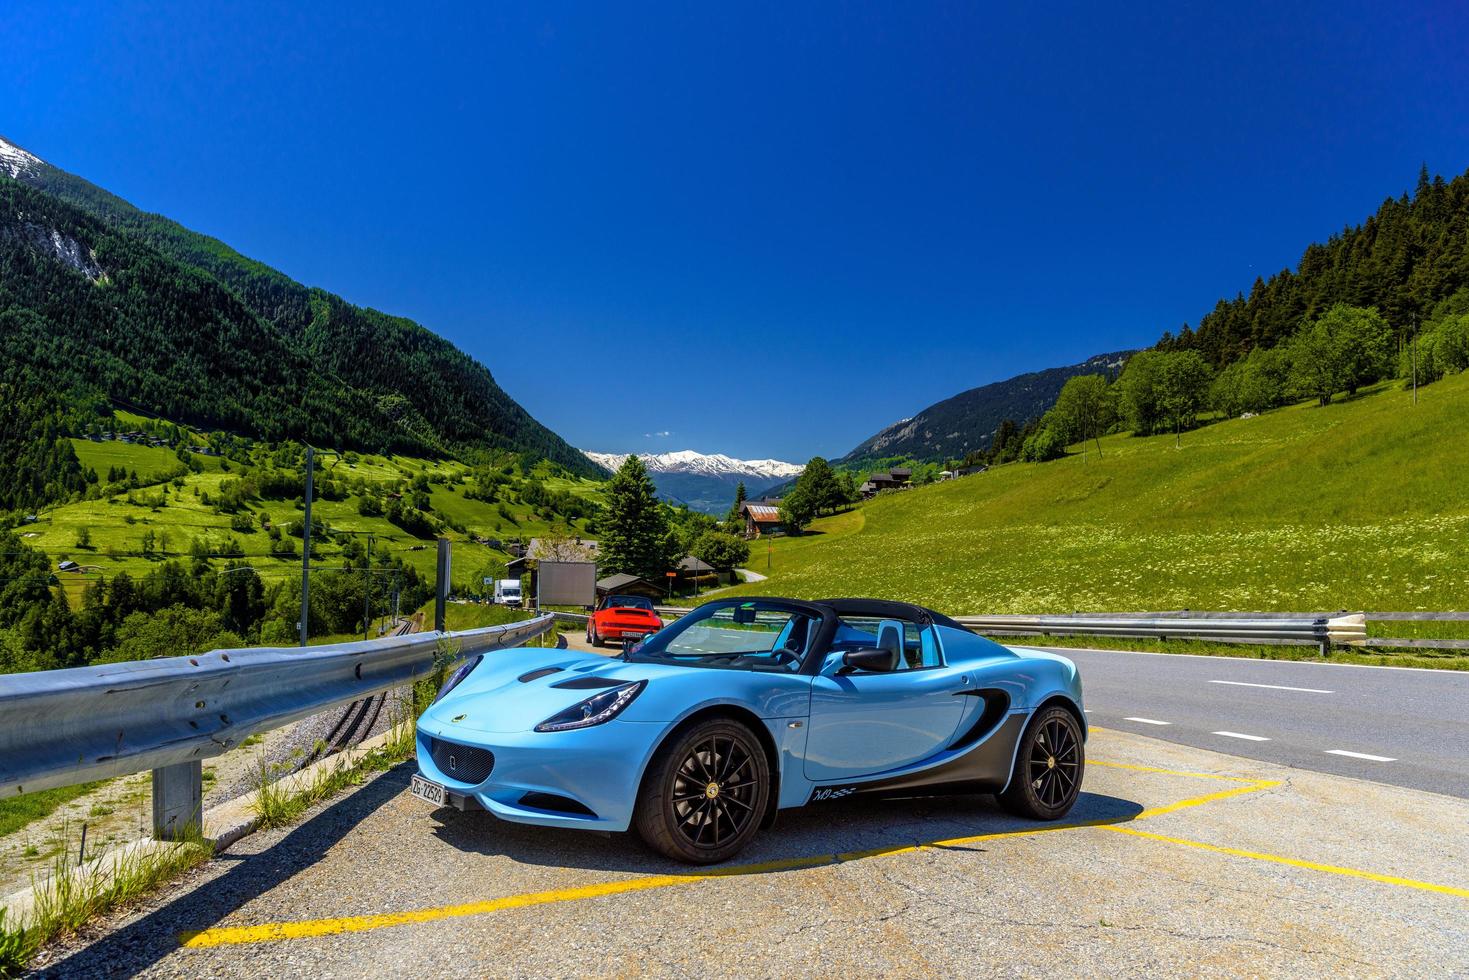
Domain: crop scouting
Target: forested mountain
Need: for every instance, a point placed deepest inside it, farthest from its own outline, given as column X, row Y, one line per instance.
column 1408, row 261
column 98, row 297
column 967, row 422
column 1404, row 260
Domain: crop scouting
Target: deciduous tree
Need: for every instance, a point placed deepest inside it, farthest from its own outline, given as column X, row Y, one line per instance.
column 1084, row 409
column 1183, row 382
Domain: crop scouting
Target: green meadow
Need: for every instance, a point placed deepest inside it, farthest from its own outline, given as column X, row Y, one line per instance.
column 106, row 535
column 1361, row 505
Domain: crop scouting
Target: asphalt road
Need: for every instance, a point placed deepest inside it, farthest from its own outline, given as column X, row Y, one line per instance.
column 1415, row 723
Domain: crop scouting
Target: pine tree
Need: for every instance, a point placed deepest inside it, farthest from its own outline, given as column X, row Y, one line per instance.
column 733, row 518
column 634, row 529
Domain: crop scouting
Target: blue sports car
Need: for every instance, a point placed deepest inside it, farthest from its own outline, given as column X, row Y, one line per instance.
column 700, row 734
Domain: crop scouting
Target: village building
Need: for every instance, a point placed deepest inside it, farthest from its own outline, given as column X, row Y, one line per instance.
column 695, row 573
column 625, row 584
column 896, row 478
column 761, row 518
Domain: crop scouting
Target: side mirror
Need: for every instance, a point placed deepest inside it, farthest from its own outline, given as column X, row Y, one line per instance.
column 867, row 658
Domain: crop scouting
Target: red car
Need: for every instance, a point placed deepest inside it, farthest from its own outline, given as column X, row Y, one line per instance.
column 622, row 617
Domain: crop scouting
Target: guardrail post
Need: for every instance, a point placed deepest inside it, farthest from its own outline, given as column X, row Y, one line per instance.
column 441, row 586
column 178, row 800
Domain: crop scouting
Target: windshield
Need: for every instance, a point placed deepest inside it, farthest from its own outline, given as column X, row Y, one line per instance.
column 628, row 602
column 741, row 636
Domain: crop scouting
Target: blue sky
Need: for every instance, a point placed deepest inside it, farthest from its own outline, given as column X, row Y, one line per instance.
column 758, row 230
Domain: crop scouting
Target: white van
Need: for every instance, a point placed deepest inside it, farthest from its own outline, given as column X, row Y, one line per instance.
column 507, row 592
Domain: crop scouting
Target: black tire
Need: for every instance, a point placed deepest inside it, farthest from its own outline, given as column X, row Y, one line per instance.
column 1049, row 766
column 705, row 793
column 594, row 637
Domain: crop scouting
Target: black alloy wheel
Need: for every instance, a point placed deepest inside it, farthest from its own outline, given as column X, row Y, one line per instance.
column 1048, row 767
column 705, row 793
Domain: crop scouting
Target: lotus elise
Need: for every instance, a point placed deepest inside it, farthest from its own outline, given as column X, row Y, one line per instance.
column 700, row 734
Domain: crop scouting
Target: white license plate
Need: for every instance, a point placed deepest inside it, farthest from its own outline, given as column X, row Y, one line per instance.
column 429, row 792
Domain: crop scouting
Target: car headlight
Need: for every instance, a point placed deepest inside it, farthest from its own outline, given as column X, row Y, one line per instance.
column 594, row 710
column 460, row 672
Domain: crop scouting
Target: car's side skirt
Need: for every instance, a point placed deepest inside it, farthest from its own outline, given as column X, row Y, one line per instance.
column 984, row 769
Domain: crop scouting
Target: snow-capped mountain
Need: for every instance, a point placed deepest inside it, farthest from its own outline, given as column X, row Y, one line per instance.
column 704, row 481
column 706, row 464
column 14, row 161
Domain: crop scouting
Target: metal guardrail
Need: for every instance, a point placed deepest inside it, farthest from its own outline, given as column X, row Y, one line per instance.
column 61, row 727
column 1323, row 630
column 1318, row 629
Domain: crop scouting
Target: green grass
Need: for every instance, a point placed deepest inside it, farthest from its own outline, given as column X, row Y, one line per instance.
column 1360, row 505
column 18, row 811
column 147, row 461
column 66, row 902
column 116, row 526
column 473, row 615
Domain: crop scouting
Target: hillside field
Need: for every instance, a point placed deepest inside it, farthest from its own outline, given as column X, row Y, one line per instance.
column 178, row 515
column 1360, row 505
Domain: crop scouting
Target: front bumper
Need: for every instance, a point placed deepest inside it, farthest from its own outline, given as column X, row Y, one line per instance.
column 586, row 779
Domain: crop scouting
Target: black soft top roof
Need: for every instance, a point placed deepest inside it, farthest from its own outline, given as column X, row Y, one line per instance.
column 889, row 609
column 874, row 608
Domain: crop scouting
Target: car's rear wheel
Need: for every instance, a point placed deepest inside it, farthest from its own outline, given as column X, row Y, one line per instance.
column 1048, row 767
column 705, row 792
column 593, row 637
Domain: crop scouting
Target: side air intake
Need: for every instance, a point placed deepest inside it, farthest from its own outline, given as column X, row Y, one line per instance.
column 996, row 705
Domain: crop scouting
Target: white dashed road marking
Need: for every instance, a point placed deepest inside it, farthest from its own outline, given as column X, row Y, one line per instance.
column 1275, row 687
column 1148, row 721
column 1360, row 755
column 1248, row 738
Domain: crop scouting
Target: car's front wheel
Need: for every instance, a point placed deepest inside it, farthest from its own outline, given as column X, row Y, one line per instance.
column 705, row 792
column 1048, row 767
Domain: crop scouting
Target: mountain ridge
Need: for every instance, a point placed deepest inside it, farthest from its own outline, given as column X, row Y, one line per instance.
column 967, row 421
column 403, row 388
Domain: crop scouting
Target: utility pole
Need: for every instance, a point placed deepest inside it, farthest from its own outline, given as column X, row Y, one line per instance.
column 306, row 550
column 366, row 587
column 441, row 585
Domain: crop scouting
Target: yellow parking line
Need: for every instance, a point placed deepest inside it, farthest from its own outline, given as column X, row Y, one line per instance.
column 1295, row 863
column 1248, row 786
column 234, row 935
column 362, row 923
